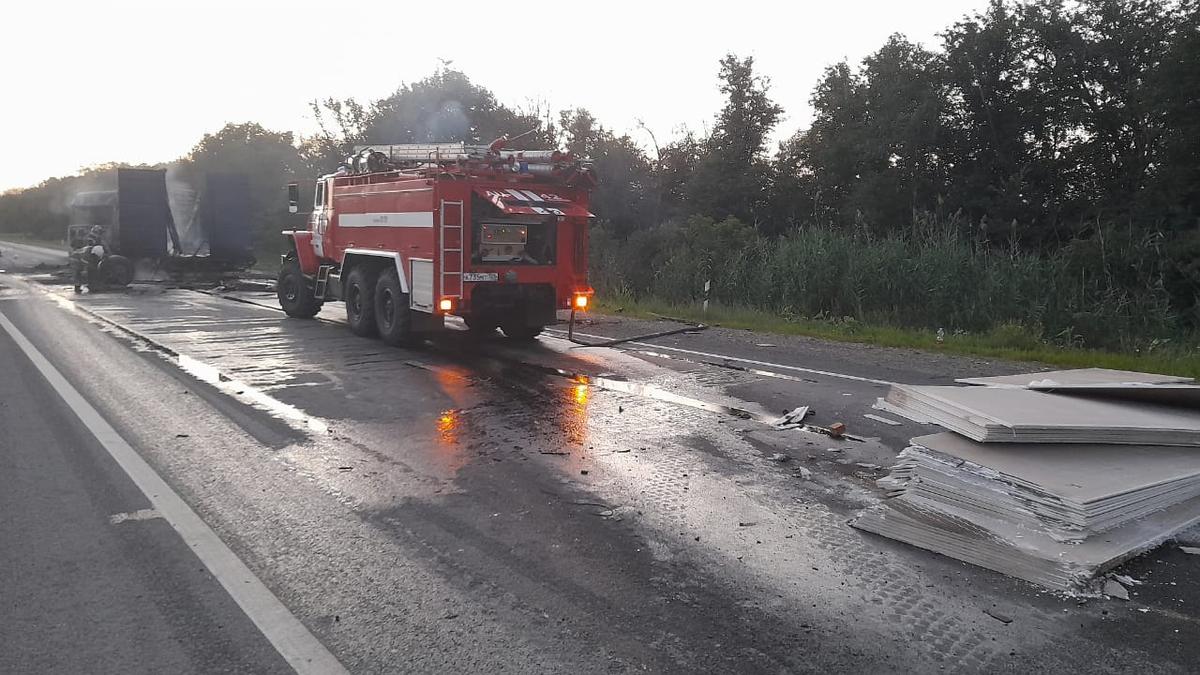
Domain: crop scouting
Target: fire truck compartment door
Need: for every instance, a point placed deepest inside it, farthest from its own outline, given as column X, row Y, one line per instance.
column 421, row 295
column 518, row 202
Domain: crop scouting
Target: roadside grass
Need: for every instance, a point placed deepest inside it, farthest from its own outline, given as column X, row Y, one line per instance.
column 1005, row 342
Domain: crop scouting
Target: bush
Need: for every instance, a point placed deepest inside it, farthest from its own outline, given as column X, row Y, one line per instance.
column 1106, row 290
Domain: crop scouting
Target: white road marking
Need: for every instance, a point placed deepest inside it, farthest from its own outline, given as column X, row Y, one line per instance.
column 766, row 364
column 885, row 420
column 140, row 514
column 206, row 373
column 291, row 639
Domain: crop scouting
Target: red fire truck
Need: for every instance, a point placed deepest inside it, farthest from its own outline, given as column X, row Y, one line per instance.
column 408, row 234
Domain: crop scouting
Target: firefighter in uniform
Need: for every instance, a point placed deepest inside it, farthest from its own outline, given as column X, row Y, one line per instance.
column 87, row 257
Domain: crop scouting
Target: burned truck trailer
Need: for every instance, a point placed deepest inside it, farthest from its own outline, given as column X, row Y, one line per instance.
column 140, row 223
column 135, row 217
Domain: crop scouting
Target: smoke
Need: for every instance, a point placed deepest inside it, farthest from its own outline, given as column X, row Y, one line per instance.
column 91, row 180
column 183, row 198
column 448, row 123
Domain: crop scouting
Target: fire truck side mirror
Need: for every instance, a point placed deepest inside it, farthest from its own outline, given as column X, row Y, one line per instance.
column 293, row 198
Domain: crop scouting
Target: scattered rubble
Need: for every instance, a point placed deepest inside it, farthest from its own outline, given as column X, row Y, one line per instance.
column 997, row 615
column 885, row 420
column 1113, row 589
column 793, row 419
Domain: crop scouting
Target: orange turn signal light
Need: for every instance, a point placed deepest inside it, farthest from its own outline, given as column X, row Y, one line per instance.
column 581, row 302
column 446, row 304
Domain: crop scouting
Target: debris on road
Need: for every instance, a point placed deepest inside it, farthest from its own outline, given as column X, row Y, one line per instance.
column 998, row 615
column 793, row 419
column 1125, row 580
column 885, row 420
column 803, row 473
column 1190, row 549
column 1078, row 497
column 837, row 430
column 1113, row 589
column 779, row 457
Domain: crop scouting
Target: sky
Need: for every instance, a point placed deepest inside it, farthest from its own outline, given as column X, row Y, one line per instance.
column 139, row 82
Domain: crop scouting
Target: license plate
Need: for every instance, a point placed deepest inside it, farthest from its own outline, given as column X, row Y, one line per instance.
column 480, row 276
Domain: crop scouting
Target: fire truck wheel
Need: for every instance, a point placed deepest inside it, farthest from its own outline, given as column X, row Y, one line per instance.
column 360, row 301
column 480, row 326
column 392, row 315
column 295, row 297
column 521, row 332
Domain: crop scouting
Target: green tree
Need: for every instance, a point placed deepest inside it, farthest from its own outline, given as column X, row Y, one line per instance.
column 446, row 107
column 268, row 159
column 872, row 154
column 824, row 163
column 733, row 176
column 623, row 198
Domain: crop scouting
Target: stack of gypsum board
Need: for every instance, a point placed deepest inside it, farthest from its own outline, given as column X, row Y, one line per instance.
column 1001, row 414
column 1077, row 376
column 1124, row 385
column 1071, row 492
column 1025, row 553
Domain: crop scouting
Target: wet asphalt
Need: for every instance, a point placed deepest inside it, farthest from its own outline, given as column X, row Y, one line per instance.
column 484, row 507
column 80, row 592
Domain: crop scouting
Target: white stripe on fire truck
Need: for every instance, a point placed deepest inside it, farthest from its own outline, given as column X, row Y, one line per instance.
column 400, row 219
column 518, row 195
column 533, row 196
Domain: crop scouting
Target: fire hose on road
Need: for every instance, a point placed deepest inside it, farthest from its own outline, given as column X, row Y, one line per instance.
column 689, row 328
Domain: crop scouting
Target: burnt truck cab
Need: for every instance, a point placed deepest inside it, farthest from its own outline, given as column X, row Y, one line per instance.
column 407, row 235
column 88, row 209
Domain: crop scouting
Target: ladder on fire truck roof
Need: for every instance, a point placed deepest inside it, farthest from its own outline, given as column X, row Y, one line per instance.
column 427, row 152
column 452, row 152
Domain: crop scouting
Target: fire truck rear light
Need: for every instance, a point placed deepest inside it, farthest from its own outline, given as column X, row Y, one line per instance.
column 581, row 302
column 446, row 304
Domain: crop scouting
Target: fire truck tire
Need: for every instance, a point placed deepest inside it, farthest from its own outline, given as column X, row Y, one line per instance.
column 521, row 332
column 392, row 315
column 480, row 326
column 359, row 293
column 295, row 297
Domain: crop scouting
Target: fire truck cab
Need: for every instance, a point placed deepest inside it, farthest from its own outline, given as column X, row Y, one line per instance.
column 406, row 235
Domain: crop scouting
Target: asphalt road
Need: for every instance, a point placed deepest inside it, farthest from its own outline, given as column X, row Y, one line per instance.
column 93, row 579
column 25, row 257
column 481, row 507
